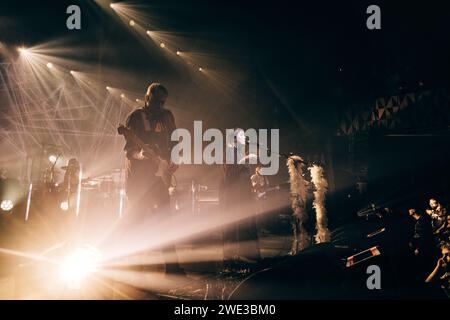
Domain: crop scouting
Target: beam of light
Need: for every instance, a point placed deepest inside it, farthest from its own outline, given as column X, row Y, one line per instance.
column 79, row 265
column 80, row 178
column 156, row 281
column 187, row 254
column 154, row 233
column 31, row 256
column 38, row 108
column 49, row 65
column 128, row 12
column 122, row 200
column 27, row 213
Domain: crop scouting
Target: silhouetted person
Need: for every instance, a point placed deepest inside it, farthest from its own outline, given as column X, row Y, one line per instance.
column 147, row 194
column 241, row 237
column 441, row 273
column 423, row 242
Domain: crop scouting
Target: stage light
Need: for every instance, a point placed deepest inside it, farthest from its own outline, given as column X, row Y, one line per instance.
column 22, row 49
column 107, row 88
column 64, row 206
column 162, row 45
column 122, row 96
column 148, row 32
column 137, row 100
column 132, row 23
column 78, row 266
column 7, row 205
column 112, row 5
column 72, row 72
column 178, row 53
column 200, row 69
column 49, row 65
column 52, row 158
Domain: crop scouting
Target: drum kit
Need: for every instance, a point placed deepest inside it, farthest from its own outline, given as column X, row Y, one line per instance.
column 108, row 184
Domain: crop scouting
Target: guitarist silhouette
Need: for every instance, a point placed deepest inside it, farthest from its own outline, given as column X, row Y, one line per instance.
column 148, row 168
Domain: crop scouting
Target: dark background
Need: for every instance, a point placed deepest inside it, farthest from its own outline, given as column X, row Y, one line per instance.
column 298, row 65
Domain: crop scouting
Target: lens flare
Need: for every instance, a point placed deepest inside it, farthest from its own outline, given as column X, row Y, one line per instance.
column 78, row 266
column 7, row 205
column 64, row 206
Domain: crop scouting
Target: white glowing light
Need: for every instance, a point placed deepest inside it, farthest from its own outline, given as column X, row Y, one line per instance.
column 200, row 69
column 22, row 50
column 112, row 5
column 107, row 88
column 49, row 65
column 52, row 158
column 137, row 100
column 7, row 205
column 78, row 265
column 122, row 96
column 80, row 178
column 132, row 23
column 178, row 53
column 27, row 212
column 162, row 45
column 64, row 206
column 148, row 32
column 72, row 72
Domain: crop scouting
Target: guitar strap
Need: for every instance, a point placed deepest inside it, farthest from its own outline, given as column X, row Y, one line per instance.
column 146, row 122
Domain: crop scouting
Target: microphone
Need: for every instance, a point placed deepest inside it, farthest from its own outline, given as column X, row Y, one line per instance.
column 247, row 141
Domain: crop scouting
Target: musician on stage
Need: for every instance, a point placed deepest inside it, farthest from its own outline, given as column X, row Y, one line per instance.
column 241, row 237
column 260, row 183
column 71, row 177
column 147, row 194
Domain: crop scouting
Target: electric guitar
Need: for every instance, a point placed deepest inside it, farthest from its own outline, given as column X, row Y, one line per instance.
column 261, row 194
column 165, row 170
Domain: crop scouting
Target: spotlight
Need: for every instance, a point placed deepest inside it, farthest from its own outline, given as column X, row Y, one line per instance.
column 64, row 206
column 79, row 265
column 132, row 23
column 137, row 100
column 21, row 49
column 72, row 72
column 162, row 45
column 112, row 5
column 52, row 158
column 7, row 205
column 148, row 32
column 122, row 96
column 178, row 53
column 49, row 65
column 107, row 88
column 200, row 69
